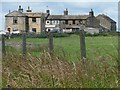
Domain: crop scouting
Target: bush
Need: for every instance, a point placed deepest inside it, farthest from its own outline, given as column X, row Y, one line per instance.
column 71, row 33
column 42, row 35
column 60, row 35
column 34, row 35
column 30, row 35
column 104, row 34
column 97, row 34
column 16, row 35
column 45, row 35
column 56, row 35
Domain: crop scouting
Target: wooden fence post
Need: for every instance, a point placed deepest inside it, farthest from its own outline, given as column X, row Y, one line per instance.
column 82, row 44
column 50, row 36
column 118, row 61
column 3, row 45
column 24, row 44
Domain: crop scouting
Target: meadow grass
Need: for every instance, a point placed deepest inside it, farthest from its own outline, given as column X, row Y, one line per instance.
column 64, row 69
column 56, row 72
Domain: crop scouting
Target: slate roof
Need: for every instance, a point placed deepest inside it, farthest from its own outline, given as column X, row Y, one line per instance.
column 29, row 14
column 106, row 17
column 60, row 17
column 33, row 14
column 15, row 13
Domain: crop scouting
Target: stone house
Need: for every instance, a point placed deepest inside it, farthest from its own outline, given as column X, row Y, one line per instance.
column 72, row 23
column 106, row 23
column 28, row 21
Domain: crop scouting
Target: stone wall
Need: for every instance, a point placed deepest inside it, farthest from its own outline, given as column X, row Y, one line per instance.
column 35, row 24
column 105, row 23
column 92, row 22
column 110, row 25
column 21, row 24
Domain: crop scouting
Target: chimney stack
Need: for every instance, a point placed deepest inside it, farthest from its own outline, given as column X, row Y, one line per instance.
column 48, row 12
column 20, row 9
column 28, row 10
column 9, row 11
column 91, row 13
column 66, row 12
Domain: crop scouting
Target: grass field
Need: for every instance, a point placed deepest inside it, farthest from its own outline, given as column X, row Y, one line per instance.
column 65, row 68
column 70, row 46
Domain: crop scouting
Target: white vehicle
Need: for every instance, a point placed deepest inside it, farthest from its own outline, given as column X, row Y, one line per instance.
column 15, row 32
column 55, row 30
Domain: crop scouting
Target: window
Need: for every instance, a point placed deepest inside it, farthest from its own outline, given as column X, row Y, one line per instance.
column 73, row 21
column 9, row 30
column 14, row 20
column 34, row 29
column 48, row 30
column 48, row 22
column 57, row 21
column 80, row 21
column 66, row 21
column 54, row 21
column 33, row 19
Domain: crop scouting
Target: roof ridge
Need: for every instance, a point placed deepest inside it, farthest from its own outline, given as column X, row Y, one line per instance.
column 15, row 11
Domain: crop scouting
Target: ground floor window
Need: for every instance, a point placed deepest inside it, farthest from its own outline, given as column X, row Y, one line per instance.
column 34, row 29
column 8, row 30
column 75, row 30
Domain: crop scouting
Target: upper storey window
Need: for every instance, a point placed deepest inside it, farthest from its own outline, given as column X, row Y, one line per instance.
column 66, row 21
column 57, row 21
column 15, row 20
column 73, row 21
column 33, row 19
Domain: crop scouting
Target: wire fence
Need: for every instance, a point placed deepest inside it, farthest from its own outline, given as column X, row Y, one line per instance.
column 50, row 45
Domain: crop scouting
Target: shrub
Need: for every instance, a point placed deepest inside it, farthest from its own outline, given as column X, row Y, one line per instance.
column 15, row 35
column 104, row 34
column 34, row 35
column 70, row 33
column 42, row 35
column 45, row 35
column 97, row 34
column 60, row 35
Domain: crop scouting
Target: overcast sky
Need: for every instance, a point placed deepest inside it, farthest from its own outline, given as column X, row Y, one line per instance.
column 75, row 8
